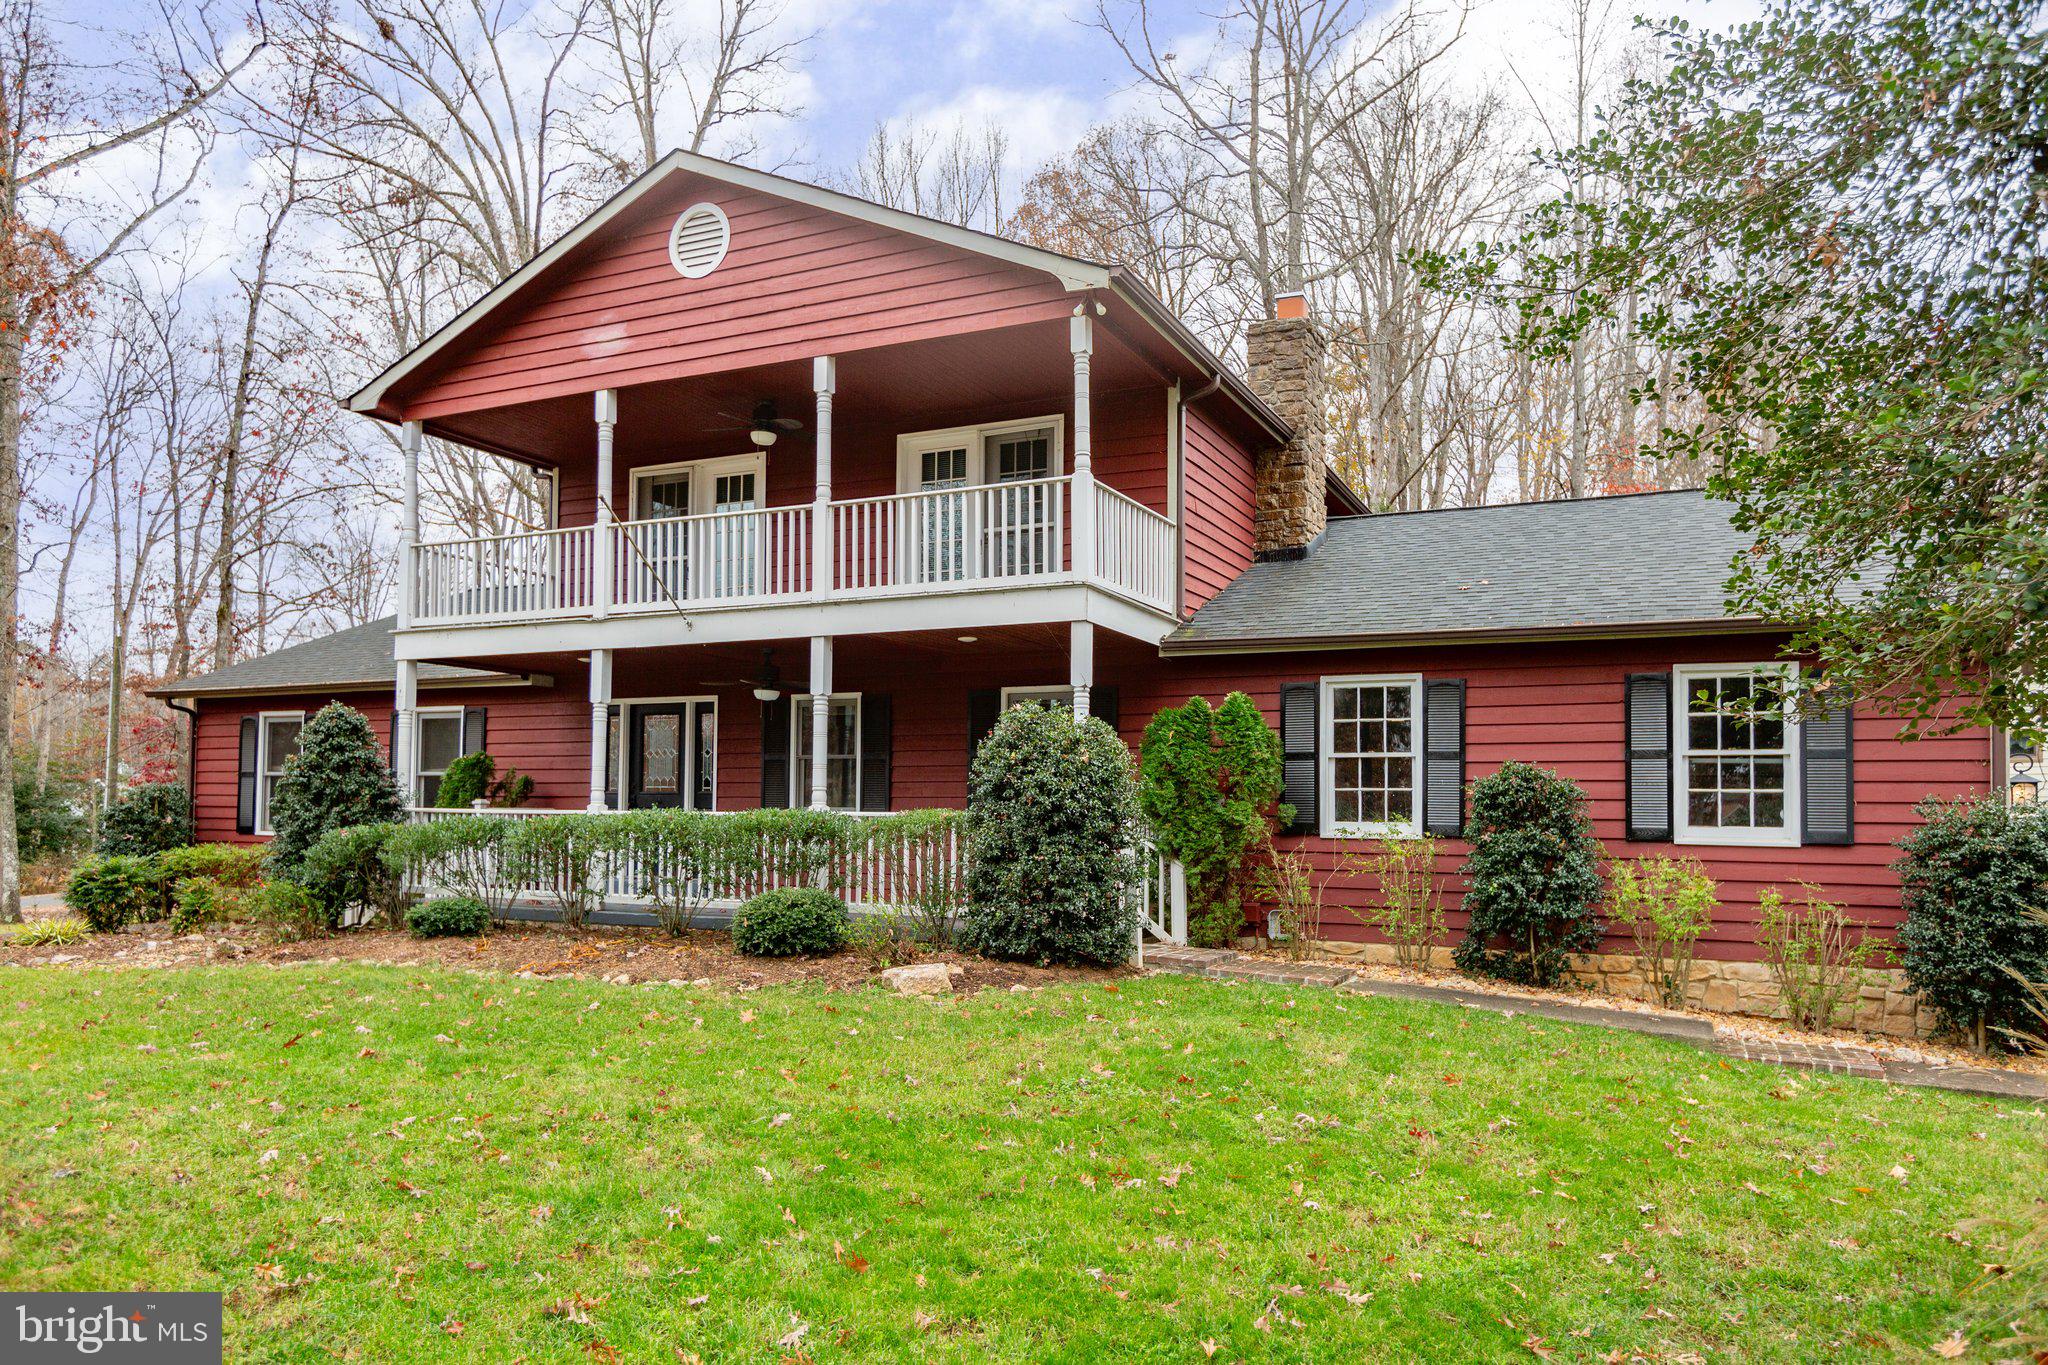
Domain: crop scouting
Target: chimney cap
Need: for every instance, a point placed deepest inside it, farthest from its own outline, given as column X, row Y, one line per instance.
column 1290, row 305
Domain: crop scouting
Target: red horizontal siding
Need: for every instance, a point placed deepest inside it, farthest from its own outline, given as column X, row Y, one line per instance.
column 1219, row 506
column 796, row 282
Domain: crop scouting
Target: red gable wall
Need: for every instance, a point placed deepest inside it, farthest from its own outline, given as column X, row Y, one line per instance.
column 797, row 282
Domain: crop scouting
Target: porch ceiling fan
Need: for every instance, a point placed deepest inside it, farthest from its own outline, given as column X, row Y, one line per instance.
column 763, row 426
column 767, row 683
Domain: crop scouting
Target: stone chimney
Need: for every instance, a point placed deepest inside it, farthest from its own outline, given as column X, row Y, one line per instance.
column 1285, row 356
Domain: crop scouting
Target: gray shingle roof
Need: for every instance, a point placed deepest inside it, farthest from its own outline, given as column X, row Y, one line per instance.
column 1597, row 563
column 357, row 657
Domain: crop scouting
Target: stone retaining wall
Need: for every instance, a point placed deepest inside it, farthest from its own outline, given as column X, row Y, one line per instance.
column 1883, row 1004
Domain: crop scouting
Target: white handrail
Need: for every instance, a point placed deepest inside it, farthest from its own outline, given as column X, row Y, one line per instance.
column 523, row 575
column 948, row 538
column 1133, row 548
column 662, row 563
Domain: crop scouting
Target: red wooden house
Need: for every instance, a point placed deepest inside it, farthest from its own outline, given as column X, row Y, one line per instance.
column 834, row 483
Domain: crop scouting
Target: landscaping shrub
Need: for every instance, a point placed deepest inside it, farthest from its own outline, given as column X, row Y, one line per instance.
column 336, row 780
column 1533, row 876
column 200, row 901
column 1052, row 823
column 345, row 870
column 462, row 855
column 684, row 860
column 1974, row 876
column 285, row 908
column 149, row 818
column 1287, row 882
column 449, row 917
column 46, row 933
column 1410, row 912
column 885, row 937
column 231, row 865
column 1209, row 781
column 1811, row 954
column 565, row 857
column 1667, row 903
column 474, row 777
column 112, row 890
column 793, row 921
column 49, row 822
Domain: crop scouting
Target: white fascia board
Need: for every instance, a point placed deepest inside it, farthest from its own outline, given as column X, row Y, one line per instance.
column 1073, row 274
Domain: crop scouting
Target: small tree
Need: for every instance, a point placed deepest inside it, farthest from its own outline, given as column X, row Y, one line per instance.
column 1411, row 908
column 149, row 818
column 1533, row 876
column 1210, row 781
column 1813, row 952
column 335, row 781
column 1973, row 876
column 1052, row 820
column 1667, row 903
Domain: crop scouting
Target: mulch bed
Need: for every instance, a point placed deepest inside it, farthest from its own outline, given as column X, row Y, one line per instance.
column 702, row 957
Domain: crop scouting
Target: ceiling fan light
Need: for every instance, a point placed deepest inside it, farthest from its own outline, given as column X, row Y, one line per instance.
column 762, row 436
column 767, row 694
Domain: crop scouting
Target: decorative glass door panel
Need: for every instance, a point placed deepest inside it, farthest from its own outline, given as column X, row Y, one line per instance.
column 734, row 549
column 940, row 529
column 1019, row 530
column 660, row 569
column 671, row 756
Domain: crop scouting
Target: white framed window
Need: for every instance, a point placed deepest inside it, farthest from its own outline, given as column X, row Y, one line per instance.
column 277, row 743
column 842, row 751
column 1736, row 755
column 995, row 452
column 1059, row 698
column 691, row 487
column 436, row 743
column 1371, row 745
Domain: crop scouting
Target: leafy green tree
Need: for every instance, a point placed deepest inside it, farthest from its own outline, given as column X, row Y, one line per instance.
column 1532, row 879
column 1974, row 934
column 1831, row 220
column 1052, row 818
column 1209, row 781
column 337, row 780
column 149, row 818
column 47, row 823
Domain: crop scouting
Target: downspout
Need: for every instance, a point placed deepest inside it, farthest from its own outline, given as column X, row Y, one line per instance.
column 191, row 762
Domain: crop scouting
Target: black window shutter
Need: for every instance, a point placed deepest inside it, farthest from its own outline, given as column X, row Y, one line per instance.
column 1647, row 782
column 984, row 705
column 877, row 748
column 1443, row 756
column 612, row 716
column 775, row 783
column 1103, row 705
column 1298, row 738
column 1827, row 777
column 473, row 730
column 245, row 779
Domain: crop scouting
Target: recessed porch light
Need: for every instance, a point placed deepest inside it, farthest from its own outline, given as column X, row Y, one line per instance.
column 967, row 639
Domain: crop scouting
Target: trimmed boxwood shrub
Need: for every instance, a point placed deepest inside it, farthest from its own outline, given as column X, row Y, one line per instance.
column 108, row 892
column 449, row 916
column 149, row 818
column 345, row 870
column 1052, row 825
column 1974, row 876
column 232, row 865
column 1533, row 877
column 337, row 780
column 793, row 921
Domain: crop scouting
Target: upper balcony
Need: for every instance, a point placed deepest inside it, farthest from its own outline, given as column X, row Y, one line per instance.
column 949, row 541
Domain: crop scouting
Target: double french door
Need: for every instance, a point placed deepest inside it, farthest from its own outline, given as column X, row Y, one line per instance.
column 692, row 537
column 988, row 509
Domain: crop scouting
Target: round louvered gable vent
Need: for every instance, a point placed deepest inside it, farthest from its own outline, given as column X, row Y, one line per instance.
column 697, row 243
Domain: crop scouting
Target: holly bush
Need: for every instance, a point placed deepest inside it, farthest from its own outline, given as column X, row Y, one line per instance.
column 1533, row 876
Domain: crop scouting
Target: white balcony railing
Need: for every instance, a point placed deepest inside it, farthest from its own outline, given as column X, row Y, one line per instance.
column 947, row 540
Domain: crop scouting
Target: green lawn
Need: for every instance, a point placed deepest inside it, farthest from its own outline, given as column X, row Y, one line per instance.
column 388, row 1164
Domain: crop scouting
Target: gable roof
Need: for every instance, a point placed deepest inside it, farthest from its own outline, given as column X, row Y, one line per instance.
column 354, row 658
column 1643, row 564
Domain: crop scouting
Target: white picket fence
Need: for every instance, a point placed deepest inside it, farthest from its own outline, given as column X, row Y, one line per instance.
column 880, row 873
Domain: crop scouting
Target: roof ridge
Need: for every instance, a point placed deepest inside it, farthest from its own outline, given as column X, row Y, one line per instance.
column 1530, row 502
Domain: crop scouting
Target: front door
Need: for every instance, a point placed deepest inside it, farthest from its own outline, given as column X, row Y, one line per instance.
column 672, row 755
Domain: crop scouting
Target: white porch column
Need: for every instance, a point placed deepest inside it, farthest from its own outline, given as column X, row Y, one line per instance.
column 824, row 383
column 406, row 700
column 821, row 714
column 1081, row 664
column 601, row 550
column 1081, row 337
column 409, row 521
column 600, row 722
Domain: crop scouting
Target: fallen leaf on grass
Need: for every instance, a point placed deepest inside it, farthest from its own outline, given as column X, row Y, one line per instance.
column 789, row 1340
column 1952, row 1346
column 1210, row 1348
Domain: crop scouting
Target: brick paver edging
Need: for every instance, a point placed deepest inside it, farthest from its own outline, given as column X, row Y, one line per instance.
column 1846, row 1059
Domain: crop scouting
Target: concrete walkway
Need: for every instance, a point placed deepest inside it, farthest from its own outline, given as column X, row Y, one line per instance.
column 1847, row 1059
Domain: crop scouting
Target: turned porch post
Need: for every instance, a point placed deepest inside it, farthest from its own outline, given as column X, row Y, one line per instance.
column 601, row 548
column 821, row 715
column 1081, row 664
column 1081, row 337
column 406, row 701
column 409, row 522
column 824, row 383
column 600, row 722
